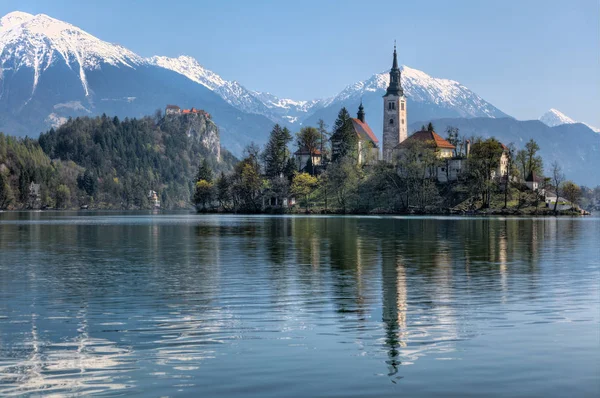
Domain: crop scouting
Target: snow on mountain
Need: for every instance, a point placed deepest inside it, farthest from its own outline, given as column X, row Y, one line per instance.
column 272, row 101
column 266, row 104
column 420, row 87
column 39, row 41
column 231, row 91
column 555, row 117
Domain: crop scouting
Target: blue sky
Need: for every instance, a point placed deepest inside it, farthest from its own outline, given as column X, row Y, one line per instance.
column 523, row 56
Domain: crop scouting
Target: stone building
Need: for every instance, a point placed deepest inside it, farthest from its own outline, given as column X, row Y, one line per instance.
column 395, row 123
column 172, row 110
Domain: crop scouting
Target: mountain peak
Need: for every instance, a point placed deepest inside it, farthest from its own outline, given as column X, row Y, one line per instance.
column 13, row 19
column 39, row 41
column 553, row 117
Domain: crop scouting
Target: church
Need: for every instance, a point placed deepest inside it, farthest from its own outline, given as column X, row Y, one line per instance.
column 395, row 124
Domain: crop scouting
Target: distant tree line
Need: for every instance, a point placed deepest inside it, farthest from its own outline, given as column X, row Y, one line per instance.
column 105, row 162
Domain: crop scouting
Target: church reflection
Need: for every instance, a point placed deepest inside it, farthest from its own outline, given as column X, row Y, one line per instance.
column 184, row 290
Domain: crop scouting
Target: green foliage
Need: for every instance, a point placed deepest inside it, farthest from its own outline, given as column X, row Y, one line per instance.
column 88, row 183
column 342, row 182
column 130, row 157
column 483, row 161
column 344, row 140
column 6, row 194
column 276, row 153
column 303, row 185
column 204, row 171
column 571, row 191
column 247, row 184
column 204, row 193
column 63, row 195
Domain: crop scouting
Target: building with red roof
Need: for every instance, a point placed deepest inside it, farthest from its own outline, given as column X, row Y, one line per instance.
column 368, row 144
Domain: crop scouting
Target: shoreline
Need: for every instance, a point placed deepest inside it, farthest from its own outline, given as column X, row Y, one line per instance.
column 476, row 213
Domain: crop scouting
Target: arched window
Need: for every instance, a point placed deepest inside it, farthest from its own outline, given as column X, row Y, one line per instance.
column 403, row 106
column 391, row 121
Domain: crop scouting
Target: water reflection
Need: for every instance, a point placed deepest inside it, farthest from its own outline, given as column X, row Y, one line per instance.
column 102, row 303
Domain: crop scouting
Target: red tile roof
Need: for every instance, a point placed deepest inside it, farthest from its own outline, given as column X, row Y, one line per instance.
column 428, row 136
column 364, row 131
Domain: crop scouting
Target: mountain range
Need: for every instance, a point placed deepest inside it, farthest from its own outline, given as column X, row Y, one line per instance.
column 51, row 70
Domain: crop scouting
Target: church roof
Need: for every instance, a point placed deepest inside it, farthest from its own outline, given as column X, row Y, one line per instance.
column 427, row 136
column 363, row 131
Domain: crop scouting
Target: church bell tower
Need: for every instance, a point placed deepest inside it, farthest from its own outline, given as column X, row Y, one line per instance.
column 394, row 113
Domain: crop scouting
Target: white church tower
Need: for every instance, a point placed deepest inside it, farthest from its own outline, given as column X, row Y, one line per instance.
column 395, row 128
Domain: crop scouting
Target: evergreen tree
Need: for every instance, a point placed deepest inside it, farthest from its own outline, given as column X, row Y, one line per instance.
column 344, row 139
column 276, row 153
column 88, row 183
column 223, row 193
column 430, row 127
column 204, row 172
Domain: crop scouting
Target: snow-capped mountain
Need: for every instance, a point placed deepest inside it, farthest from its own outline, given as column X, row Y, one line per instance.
column 38, row 42
column 231, row 91
column 266, row 104
column 555, row 117
column 420, row 87
column 428, row 98
column 51, row 70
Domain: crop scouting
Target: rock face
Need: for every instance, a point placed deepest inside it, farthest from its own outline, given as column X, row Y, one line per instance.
column 200, row 127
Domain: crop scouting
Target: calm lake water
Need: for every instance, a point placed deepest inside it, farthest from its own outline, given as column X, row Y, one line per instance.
column 227, row 306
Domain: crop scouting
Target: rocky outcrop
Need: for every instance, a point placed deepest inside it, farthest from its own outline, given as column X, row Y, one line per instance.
column 200, row 127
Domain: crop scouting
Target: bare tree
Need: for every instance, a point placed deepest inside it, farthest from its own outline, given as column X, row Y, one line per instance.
column 557, row 179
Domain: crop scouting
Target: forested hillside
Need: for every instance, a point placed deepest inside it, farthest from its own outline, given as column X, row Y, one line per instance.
column 108, row 163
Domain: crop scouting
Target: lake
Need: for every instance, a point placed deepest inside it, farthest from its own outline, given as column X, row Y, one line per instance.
column 179, row 304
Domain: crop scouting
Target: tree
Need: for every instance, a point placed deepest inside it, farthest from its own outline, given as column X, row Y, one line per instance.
column 344, row 139
column 247, row 183
column 204, row 193
column 417, row 170
column 557, row 179
column 276, row 153
column 322, row 128
column 430, row 127
column 534, row 162
column 484, row 159
column 521, row 162
column 342, row 179
column 6, row 194
column 204, row 172
column 223, row 192
column 453, row 138
column 509, row 171
column 303, row 185
column 309, row 138
column 571, row 191
column 63, row 195
column 88, row 183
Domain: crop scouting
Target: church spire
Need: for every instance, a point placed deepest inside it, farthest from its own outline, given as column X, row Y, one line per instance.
column 395, row 88
column 361, row 112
